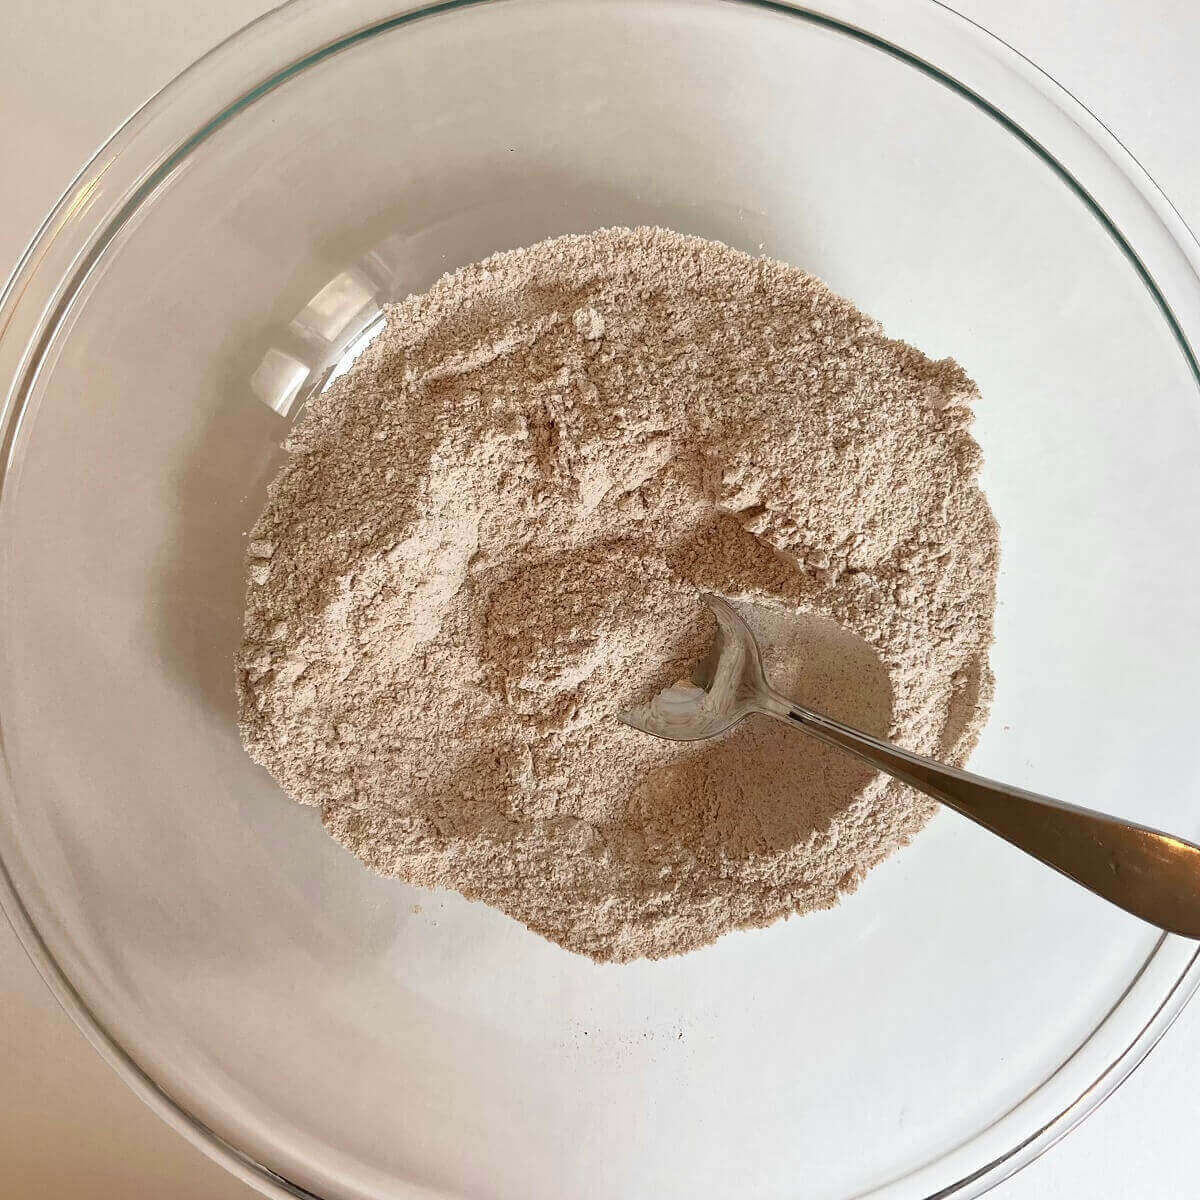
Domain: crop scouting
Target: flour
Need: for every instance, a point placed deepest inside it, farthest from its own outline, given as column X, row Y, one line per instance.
column 488, row 540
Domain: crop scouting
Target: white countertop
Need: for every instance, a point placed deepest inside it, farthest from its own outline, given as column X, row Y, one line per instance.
column 70, row 71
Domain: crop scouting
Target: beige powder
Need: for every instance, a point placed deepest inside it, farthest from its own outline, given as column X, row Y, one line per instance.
column 488, row 540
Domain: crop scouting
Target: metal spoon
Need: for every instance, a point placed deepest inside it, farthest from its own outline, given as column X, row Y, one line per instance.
column 1148, row 873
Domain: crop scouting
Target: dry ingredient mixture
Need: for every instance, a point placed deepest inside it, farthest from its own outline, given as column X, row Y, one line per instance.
column 488, row 540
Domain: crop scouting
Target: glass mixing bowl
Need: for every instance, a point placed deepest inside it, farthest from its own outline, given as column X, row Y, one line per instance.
column 326, row 1032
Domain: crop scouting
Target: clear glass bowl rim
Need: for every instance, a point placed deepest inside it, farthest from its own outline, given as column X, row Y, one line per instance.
column 143, row 154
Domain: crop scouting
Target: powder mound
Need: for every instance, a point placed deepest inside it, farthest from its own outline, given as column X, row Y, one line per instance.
column 489, row 538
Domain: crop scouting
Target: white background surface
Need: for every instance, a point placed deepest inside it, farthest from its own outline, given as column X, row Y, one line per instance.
column 70, row 71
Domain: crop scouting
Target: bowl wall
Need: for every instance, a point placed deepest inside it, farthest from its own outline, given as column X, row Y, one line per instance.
column 364, row 1039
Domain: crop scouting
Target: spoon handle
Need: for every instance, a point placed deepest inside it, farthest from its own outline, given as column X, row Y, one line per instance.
column 1148, row 873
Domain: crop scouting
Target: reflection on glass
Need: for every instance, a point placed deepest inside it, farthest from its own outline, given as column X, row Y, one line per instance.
column 335, row 306
column 277, row 380
column 327, row 334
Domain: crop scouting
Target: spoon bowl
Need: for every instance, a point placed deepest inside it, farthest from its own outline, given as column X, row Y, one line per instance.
column 724, row 690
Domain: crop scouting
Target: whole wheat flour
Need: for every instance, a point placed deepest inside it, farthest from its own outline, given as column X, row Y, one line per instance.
column 489, row 538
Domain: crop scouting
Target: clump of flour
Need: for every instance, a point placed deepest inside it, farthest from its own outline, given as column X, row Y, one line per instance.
column 488, row 540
